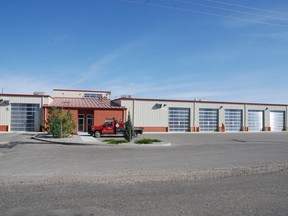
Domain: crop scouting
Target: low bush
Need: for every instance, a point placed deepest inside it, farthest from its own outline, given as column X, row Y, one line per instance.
column 114, row 141
column 147, row 141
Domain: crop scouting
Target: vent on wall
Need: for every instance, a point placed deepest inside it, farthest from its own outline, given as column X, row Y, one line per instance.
column 39, row 93
column 4, row 102
column 126, row 96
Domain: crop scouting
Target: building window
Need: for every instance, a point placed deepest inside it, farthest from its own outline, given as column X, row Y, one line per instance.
column 92, row 95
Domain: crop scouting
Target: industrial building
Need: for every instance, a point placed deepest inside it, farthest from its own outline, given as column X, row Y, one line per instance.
column 22, row 112
column 157, row 115
column 19, row 112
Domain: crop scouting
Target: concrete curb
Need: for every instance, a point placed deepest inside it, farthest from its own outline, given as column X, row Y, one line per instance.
column 82, row 143
column 63, row 142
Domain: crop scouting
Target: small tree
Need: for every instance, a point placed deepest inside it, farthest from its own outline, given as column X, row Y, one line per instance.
column 129, row 129
column 60, row 122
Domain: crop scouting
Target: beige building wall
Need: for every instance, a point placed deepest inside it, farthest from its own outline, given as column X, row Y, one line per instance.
column 5, row 110
column 78, row 93
column 144, row 113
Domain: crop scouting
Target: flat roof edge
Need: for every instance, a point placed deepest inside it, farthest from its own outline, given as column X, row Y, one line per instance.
column 25, row 95
column 70, row 90
column 199, row 101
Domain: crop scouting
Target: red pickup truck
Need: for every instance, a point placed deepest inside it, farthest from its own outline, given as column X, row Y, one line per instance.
column 112, row 128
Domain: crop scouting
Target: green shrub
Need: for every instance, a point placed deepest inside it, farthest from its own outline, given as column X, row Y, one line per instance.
column 114, row 141
column 129, row 129
column 147, row 141
column 60, row 122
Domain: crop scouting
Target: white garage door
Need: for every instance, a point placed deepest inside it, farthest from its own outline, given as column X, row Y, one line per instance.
column 277, row 120
column 25, row 117
column 179, row 119
column 255, row 120
column 233, row 120
column 208, row 119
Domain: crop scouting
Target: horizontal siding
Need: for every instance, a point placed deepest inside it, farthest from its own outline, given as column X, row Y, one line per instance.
column 5, row 115
column 146, row 114
column 26, row 99
column 78, row 94
column 5, row 111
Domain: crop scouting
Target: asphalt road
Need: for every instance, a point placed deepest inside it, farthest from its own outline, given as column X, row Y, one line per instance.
column 200, row 174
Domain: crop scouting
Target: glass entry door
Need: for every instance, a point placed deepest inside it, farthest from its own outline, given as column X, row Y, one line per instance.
column 81, row 121
column 89, row 119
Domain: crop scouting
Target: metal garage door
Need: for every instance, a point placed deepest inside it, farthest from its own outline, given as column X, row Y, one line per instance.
column 25, row 117
column 277, row 120
column 255, row 120
column 208, row 119
column 233, row 119
column 179, row 119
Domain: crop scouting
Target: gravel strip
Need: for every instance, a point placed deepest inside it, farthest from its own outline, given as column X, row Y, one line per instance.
column 133, row 179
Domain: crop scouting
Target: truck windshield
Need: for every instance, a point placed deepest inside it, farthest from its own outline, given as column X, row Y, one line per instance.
column 108, row 124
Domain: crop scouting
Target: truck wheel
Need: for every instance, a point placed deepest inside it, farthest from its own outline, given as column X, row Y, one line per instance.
column 97, row 134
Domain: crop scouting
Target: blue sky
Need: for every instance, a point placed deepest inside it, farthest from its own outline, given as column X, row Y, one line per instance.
column 217, row 50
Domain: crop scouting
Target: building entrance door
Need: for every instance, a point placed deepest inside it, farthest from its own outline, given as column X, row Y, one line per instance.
column 81, row 122
column 89, row 121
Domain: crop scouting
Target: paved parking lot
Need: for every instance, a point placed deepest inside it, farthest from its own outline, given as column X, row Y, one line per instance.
column 201, row 173
column 189, row 153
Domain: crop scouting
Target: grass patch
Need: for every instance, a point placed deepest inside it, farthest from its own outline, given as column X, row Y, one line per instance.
column 147, row 141
column 114, row 141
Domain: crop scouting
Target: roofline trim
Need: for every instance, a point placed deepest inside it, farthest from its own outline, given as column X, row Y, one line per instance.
column 200, row 101
column 92, row 108
column 71, row 90
column 25, row 95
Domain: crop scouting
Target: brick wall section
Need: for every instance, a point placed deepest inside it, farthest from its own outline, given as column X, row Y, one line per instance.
column 155, row 129
column 195, row 129
column 74, row 116
column 245, row 128
column 101, row 115
column 267, row 128
column 85, row 112
column 75, row 119
column 4, row 127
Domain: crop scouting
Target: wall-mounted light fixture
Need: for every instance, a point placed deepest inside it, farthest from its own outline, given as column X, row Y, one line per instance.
column 159, row 106
column 266, row 108
column 221, row 107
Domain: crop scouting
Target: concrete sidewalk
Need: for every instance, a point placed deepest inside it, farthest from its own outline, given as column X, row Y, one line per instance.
column 83, row 138
column 78, row 139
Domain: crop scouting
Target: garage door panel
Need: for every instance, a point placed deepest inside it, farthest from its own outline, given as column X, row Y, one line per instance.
column 179, row 119
column 25, row 117
column 277, row 120
column 208, row 119
column 255, row 120
column 233, row 119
